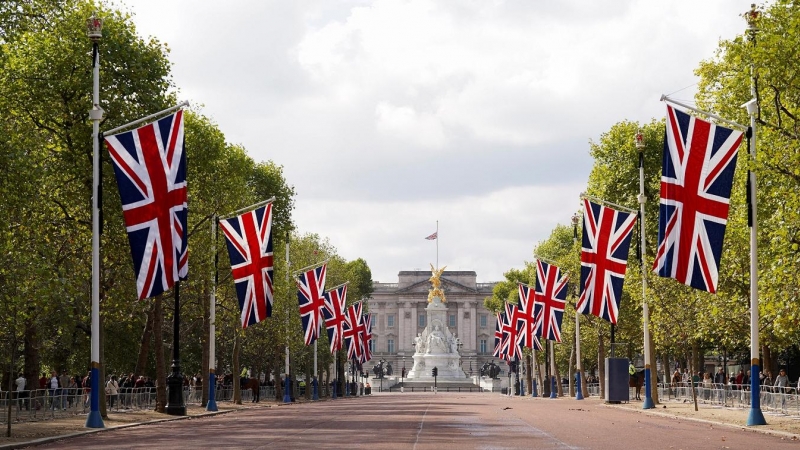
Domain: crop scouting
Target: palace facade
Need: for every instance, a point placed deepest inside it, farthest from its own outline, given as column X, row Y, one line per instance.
column 398, row 315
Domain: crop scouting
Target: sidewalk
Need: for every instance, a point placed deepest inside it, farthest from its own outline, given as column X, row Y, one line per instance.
column 34, row 433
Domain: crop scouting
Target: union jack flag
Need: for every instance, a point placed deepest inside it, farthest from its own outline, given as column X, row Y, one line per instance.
column 526, row 315
column 696, row 180
column 249, row 239
column 604, row 259
column 366, row 338
column 551, row 297
column 352, row 332
column 498, row 335
column 334, row 315
column 310, row 286
column 512, row 335
column 150, row 168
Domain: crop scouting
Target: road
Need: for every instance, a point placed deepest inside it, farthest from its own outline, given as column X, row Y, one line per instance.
column 426, row 421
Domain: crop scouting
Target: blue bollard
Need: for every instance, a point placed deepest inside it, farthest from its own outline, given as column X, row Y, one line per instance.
column 287, row 383
column 553, row 388
column 314, row 392
column 534, row 394
column 578, row 390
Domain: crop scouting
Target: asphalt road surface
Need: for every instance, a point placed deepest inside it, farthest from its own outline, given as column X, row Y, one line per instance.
column 426, row 421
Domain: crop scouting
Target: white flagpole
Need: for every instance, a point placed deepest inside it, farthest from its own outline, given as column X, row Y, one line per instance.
column 437, row 245
column 94, row 419
column 756, row 416
column 579, row 365
column 648, row 397
column 212, row 331
column 286, row 397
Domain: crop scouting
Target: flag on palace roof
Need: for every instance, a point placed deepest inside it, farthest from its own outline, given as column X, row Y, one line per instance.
column 249, row 239
column 433, row 236
column 604, row 259
column 334, row 312
column 551, row 297
column 150, row 168
column 310, row 287
column 697, row 176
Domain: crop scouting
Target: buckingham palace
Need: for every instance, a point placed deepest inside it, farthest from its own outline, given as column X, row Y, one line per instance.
column 398, row 316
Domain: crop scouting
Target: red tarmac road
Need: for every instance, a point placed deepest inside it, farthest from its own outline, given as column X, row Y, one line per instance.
column 426, row 421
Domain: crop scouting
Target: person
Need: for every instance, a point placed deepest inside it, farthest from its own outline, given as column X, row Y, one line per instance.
column 112, row 389
column 72, row 391
column 21, row 393
column 54, row 385
column 719, row 378
column 781, row 381
column 707, row 385
column 87, row 388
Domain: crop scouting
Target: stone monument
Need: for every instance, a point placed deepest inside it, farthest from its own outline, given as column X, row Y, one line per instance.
column 436, row 346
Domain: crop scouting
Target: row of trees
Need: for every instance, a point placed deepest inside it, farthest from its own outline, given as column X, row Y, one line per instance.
column 685, row 323
column 45, row 211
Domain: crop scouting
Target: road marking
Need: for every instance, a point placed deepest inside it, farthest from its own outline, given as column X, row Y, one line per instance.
column 420, row 425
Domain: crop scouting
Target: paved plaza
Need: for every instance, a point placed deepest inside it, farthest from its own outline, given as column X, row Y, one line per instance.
column 441, row 421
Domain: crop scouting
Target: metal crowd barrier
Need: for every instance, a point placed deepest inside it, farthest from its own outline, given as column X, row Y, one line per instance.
column 773, row 399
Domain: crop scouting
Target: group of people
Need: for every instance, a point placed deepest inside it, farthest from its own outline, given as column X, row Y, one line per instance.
column 128, row 389
column 739, row 381
column 54, row 391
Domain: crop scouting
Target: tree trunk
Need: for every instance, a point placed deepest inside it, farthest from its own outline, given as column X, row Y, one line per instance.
column 696, row 365
column 276, row 374
column 31, row 354
column 529, row 375
column 144, row 342
column 539, row 374
column 556, row 373
column 601, row 363
column 308, row 386
column 653, row 371
column 571, row 373
column 767, row 363
column 158, row 347
column 237, row 391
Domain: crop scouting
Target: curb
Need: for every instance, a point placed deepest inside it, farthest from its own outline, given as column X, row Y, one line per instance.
column 767, row 431
column 50, row 439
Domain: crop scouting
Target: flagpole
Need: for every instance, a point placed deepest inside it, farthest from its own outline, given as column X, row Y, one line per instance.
column 146, row 118
column 437, row 245
column 286, row 397
column 756, row 417
column 648, row 398
column 553, row 385
column 94, row 31
column 212, row 377
column 579, row 365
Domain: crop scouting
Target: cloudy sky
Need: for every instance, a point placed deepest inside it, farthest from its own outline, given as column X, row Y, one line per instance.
column 389, row 115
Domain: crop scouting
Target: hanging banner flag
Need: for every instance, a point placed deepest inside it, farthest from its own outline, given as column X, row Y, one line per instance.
column 334, row 312
column 604, row 259
column 150, row 168
column 697, row 177
column 366, row 338
column 512, row 335
column 310, row 287
column 352, row 332
column 498, row 335
column 551, row 297
column 526, row 315
column 249, row 239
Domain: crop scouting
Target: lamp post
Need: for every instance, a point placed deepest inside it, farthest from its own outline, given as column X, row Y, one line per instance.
column 579, row 366
column 648, row 399
column 94, row 30
column 756, row 417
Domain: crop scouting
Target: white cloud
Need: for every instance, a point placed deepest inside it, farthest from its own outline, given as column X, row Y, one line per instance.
column 389, row 114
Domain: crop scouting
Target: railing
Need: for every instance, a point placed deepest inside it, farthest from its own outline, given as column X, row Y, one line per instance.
column 438, row 389
column 775, row 399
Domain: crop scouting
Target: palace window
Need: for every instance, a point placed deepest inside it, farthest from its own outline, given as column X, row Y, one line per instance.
column 483, row 320
column 483, row 345
column 372, row 345
column 390, row 320
column 421, row 321
column 390, row 345
column 451, row 319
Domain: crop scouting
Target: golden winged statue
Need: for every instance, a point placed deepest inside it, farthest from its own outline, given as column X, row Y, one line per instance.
column 436, row 284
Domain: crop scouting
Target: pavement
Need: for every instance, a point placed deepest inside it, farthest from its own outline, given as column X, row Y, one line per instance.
column 440, row 421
